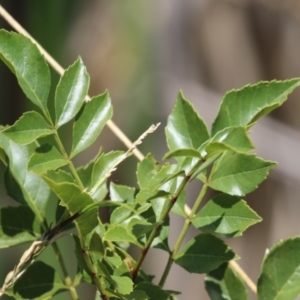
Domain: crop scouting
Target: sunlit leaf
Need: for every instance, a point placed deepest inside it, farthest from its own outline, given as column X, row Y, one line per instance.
column 186, row 152
column 70, row 92
column 103, row 166
column 124, row 284
column 152, row 176
column 28, row 128
column 46, row 157
column 280, row 273
column 118, row 233
column 121, row 193
column 238, row 174
column 225, row 215
column 90, row 121
column 185, row 129
column 75, row 200
column 244, row 106
column 231, row 138
column 203, row 254
column 29, row 66
column 34, row 190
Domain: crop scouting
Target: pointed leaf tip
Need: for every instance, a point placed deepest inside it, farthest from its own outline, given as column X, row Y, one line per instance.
column 185, row 129
column 28, row 128
column 90, row 121
column 70, row 92
column 244, row 106
column 24, row 59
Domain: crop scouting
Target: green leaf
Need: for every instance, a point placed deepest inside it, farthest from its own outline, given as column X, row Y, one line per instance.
column 224, row 284
column 154, row 292
column 238, row 174
column 179, row 206
column 34, row 190
column 60, row 176
column 225, row 215
column 190, row 152
column 121, row 193
column 243, row 107
column 118, row 233
column 82, row 266
column 161, row 240
column 280, row 274
column 75, row 200
column 90, row 121
column 46, row 157
column 136, row 295
column 96, row 245
column 231, row 138
column 124, row 284
column 140, row 227
column 13, row 189
column 203, row 254
column 185, row 129
column 40, row 281
column 85, row 175
column 103, row 166
column 146, row 169
column 125, row 212
column 29, row 66
column 70, row 92
column 28, row 128
column 18, row 225
column 152, row 176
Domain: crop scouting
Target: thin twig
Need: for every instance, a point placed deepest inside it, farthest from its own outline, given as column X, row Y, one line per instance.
column 114, row 128
column 236, row 267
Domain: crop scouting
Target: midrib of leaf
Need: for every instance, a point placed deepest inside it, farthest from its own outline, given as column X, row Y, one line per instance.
column 238, row 173
column 287, row 280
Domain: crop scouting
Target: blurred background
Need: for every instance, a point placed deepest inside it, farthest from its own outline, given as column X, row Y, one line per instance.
column 144, row 52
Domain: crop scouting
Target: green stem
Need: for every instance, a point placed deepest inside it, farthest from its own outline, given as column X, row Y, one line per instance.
column 182, row 235
column 70, row 163
column 166, row 271
column 154, row 232
column 187, row 222
column 67, row 278
column 89, row 263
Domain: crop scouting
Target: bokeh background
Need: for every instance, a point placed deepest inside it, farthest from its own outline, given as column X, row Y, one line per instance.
column 144, row 52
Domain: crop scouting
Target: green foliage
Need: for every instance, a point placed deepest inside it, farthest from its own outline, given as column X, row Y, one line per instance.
column 220, row 160
column 222, row 284
column 280, row 276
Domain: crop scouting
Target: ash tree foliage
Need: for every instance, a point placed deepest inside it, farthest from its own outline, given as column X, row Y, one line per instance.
column 40, row 172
